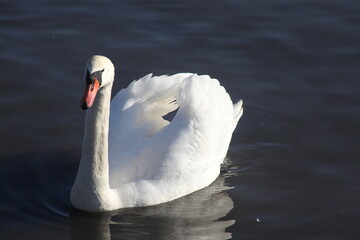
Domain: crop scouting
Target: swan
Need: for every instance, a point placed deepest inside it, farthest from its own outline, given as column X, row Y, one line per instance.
column 131, row 156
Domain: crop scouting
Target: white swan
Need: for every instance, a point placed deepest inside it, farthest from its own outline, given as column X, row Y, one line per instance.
column 133, row 157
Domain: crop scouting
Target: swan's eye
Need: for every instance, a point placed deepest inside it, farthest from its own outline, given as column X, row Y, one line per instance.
column 89, row 78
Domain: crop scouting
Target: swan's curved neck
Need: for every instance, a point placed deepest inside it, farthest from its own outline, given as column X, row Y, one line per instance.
column 94, row 157
column 91, row 188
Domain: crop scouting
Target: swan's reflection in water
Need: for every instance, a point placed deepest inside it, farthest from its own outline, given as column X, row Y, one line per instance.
column 196, row 216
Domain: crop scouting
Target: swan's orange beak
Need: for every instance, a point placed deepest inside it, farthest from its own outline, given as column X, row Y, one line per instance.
column 89, row 94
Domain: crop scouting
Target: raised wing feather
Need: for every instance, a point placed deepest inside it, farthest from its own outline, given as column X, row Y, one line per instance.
column 186, row 153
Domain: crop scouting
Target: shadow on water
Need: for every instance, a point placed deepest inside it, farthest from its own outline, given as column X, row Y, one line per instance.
column 37, row 206
column 195, row 216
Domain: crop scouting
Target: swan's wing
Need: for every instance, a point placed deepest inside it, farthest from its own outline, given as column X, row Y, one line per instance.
column 136, row 115
column 199, row 135
column 188, row 151
column 142, row 104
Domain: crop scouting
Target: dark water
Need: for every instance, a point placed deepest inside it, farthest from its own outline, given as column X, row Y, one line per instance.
column 294, row 158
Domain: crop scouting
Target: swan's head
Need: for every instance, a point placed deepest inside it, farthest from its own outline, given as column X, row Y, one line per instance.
column 99, row 73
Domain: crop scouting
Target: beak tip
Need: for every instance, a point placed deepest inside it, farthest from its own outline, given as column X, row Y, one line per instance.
column 84, row 106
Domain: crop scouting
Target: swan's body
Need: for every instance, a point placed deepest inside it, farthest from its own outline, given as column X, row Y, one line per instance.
column 133, row 157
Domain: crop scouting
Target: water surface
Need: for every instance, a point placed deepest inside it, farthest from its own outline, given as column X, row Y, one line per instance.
column 293, row 169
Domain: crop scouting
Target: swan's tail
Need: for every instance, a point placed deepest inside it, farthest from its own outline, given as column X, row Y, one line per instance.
column 238, row 112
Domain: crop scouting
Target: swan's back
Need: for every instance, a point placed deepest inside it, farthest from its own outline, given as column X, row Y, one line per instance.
column 157, row 161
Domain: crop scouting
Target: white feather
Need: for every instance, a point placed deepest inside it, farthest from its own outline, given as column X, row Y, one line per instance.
column 152, row 160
